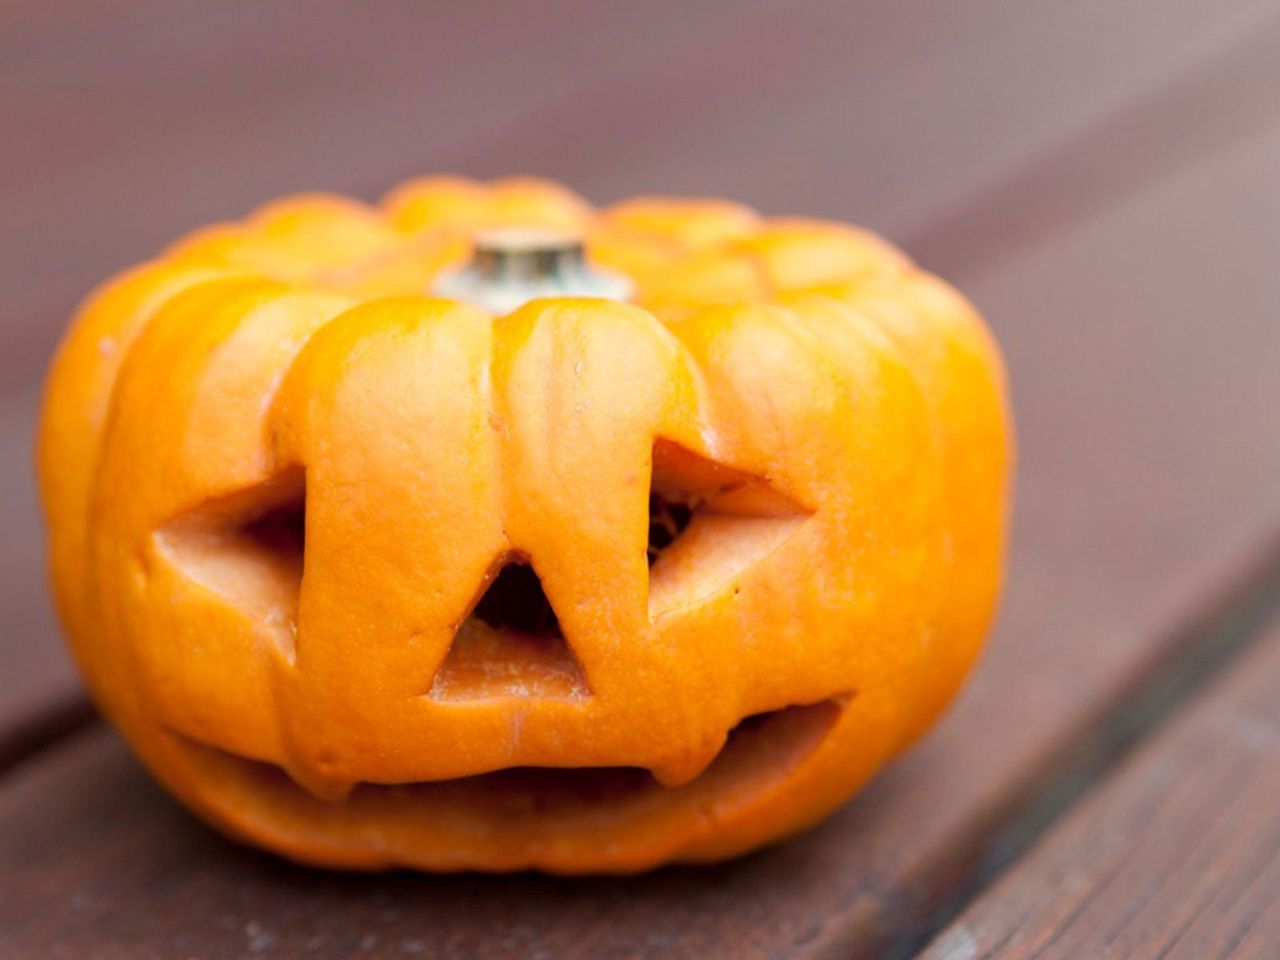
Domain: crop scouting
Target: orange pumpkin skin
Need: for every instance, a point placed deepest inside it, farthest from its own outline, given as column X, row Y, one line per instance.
column 834, row 418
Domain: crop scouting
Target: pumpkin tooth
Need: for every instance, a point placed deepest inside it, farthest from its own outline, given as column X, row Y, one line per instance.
column 323, row 787
column 689, row 766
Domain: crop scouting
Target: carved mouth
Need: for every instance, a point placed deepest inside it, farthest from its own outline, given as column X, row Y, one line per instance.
column 760, row 751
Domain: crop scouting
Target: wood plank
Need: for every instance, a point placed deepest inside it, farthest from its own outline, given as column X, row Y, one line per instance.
column 1143, row 362
column 1175, row 856
column 129, row 122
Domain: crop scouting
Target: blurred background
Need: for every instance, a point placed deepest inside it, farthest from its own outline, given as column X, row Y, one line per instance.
column 1102, row 178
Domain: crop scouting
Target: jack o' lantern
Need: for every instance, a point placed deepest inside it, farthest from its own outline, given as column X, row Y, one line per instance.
column 659, row 565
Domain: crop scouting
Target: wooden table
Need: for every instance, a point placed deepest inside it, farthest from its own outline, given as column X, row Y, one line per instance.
column 1103, row 179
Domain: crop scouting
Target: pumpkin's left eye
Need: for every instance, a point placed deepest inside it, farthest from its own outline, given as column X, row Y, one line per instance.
column 247, row 547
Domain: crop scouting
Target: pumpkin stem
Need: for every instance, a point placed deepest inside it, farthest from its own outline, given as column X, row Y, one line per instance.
column 512, row 266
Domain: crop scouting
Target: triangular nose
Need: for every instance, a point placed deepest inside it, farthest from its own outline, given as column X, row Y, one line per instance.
column 510, row 646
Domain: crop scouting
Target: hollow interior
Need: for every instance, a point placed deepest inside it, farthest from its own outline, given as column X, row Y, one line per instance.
column 516, row 601
column 668, row 518
column 281, row 531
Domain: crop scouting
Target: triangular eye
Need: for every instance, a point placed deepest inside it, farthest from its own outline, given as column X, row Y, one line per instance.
column 247, row 547
column 510, row 646
column 707, row 524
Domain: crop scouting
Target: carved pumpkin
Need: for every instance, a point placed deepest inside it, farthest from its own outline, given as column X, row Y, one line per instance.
column 372, row 578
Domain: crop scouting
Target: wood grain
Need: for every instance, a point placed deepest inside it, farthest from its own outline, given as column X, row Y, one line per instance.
column 1176, row 856
column 1130, row 277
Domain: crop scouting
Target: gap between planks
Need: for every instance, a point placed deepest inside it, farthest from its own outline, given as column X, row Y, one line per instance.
column 1201, row 645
